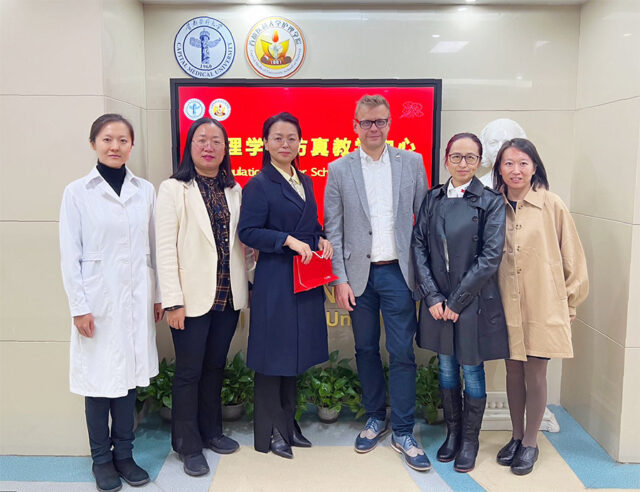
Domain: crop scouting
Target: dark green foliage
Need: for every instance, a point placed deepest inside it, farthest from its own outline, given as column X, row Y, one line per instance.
column 428, row 389
column 158, row 393
column 237, row 385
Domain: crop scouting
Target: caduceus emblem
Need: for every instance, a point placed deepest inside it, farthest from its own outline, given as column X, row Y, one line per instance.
column 204, row 44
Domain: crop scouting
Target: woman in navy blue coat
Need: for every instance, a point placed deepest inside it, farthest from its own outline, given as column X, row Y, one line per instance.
column 288, row 332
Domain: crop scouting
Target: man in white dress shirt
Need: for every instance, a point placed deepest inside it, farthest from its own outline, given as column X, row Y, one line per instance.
column 371, row 198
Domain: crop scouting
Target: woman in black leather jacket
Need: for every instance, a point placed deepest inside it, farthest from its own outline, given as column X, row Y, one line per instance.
column 457, row 247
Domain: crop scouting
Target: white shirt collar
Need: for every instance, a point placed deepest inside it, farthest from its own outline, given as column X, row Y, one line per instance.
column 456, row 191
column 366, row 158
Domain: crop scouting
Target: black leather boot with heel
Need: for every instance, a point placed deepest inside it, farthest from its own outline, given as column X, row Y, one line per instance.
column 452, row 409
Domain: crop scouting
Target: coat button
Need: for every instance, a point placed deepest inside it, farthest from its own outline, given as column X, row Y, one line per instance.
column 519, row 270
column 474, row 199
column 475, row 238
column 368, row 256
column 517, row 248
column 369, row 233
column 475, row 218
column 518, row 226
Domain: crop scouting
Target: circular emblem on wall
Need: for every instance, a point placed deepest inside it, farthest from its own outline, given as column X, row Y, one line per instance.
column 275, row 48
column 204, row 48
column 193, row 109
column 219, row 109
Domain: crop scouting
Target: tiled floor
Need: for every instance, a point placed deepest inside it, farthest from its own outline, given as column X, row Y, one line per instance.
column 569, row 461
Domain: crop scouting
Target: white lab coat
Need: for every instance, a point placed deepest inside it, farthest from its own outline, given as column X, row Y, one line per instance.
column 107, row 250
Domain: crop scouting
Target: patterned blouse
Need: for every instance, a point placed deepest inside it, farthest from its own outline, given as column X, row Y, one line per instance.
column 212, row 192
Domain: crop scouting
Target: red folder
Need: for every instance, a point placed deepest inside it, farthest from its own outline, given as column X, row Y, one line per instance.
column 314, row 274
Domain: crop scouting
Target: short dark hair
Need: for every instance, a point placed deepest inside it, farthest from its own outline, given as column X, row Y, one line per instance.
column 460, row 136
column 266, row 128
column 526, row 146
column 187, row 169
column 105, row 119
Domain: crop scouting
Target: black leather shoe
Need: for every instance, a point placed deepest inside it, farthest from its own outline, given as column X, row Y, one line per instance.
column 107, row 477
column 279, row 446
column 509, row 450
column 471, row 423
column 298, row 439
column 222, row 445
column 131, row 472
column 524, row 460
column 194, row 464
column 452, row 409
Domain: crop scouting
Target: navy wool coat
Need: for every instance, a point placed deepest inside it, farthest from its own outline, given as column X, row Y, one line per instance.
column 287, row 331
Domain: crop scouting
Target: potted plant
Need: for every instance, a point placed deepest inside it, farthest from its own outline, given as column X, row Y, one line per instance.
column 157, row 396
column 331, row 387
column 428, row 391
column 237, row 389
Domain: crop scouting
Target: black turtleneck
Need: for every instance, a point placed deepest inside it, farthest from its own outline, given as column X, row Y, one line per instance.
column 115, row 177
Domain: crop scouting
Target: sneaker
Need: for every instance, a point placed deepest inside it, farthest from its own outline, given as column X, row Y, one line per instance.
column 131, row 472
column 222, row 445
column 373, row 431
column 413, row 454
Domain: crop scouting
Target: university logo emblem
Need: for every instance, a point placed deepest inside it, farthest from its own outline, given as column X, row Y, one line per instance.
column 220, row 109
column 204, row 48
column 193, row 109
column 275, row 48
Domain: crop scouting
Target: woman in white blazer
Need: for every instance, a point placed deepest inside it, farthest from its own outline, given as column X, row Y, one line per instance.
column 107, row 249
column 202, row 268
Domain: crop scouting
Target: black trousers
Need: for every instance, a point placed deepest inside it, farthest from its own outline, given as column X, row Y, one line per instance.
column 274, row 407
column 201, row 353
column 121, row 436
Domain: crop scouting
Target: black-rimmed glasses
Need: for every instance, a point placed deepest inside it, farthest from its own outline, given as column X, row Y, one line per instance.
column 366, row 124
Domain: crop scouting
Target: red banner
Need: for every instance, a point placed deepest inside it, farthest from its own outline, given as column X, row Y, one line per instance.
column 326, row 115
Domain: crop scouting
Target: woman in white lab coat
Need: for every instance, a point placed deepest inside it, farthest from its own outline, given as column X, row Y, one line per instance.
column 107, row 253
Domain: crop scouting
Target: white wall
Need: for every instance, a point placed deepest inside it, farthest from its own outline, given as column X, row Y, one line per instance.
column 599, row 386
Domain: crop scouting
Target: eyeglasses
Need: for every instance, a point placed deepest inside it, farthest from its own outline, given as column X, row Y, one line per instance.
column 366, row 124
column 201, row 143
column 470, row 159
column 279, row 140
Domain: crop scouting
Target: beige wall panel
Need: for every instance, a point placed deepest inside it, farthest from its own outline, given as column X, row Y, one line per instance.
column 606, row 138
column 541, row 48
column 123, row 51
column 470, row 52
column 33, row 303
column 38, row 414
column 159, row 145
column 633, row 316
column 50, row 47
column 592, row 385
column 608, row 63
column 44, row 153
column 138, row 158
column 607, row 245
column 630, row 425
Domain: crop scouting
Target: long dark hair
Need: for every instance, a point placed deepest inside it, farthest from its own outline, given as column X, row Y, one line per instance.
column 460, row 136
column 104, row 120
column 526, row 146
column 266, row 127
column 187, row 169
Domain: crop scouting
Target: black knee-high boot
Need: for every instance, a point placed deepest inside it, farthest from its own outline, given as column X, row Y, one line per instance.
column 471, row 423
column 452, row 408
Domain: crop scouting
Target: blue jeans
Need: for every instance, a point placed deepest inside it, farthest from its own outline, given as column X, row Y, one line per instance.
column 387, row 291
column 474, row 383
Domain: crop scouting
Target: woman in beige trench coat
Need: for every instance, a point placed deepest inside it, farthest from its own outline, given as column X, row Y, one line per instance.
column 542, row 278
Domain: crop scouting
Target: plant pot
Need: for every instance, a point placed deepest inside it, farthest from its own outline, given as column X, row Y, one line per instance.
column 232, row 412
column 328, row 415
column 165, row 413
